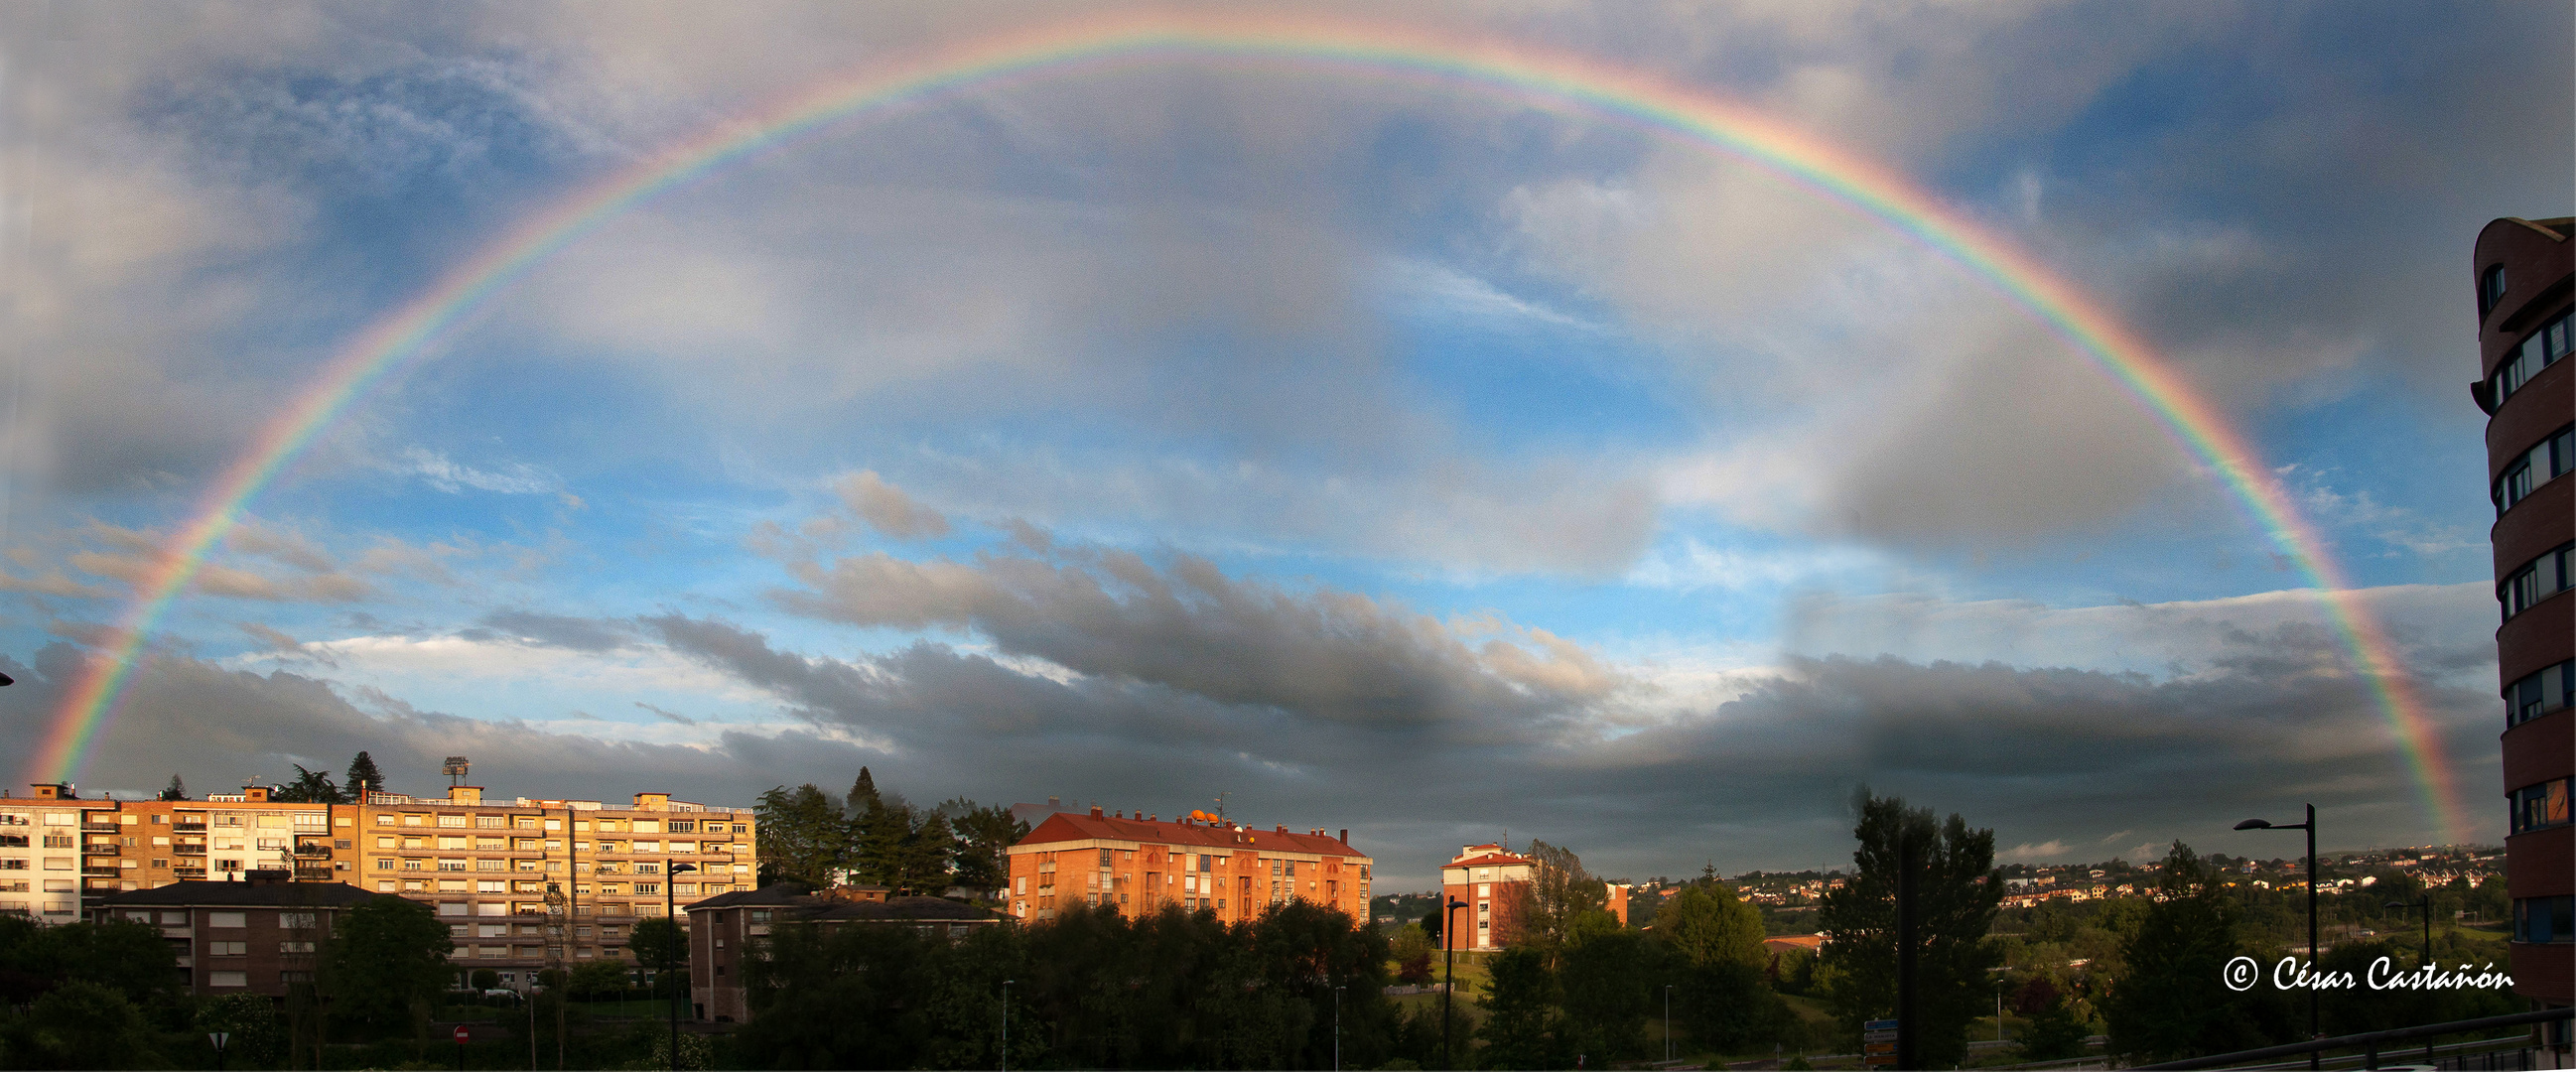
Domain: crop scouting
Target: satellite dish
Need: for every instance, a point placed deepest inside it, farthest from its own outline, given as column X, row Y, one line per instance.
column 7, row 680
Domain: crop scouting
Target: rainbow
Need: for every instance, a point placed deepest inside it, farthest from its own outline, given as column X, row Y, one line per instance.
column 1549, row 81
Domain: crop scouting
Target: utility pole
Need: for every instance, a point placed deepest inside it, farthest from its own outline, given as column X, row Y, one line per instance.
column 1449, row 973
column 1908, row 858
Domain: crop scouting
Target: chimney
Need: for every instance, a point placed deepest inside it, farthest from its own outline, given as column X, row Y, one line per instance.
column 257, row 794
column 1055, row 804
column 1095, row 811
column 1346, row 835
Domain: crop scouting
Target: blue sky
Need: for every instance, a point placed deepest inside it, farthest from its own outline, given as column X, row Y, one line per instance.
column 1391, row 460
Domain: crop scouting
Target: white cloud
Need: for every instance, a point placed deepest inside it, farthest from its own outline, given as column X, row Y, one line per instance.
column 516, row 478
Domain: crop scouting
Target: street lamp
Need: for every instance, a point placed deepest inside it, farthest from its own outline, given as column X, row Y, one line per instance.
column 1449, row 973
column 1337, row 1029
column 1006, row 1024
column 2314, row 1058
column 1668, row 1023
column 2426, row 903
column 671, row 953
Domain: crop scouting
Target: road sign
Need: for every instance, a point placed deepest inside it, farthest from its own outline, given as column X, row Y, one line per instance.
column 1873, row 1048
column 463, row 1034
column 219, row 1038
column 1879, row 1025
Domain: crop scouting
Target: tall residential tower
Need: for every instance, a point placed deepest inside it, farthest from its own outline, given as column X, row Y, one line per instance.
column 2523, row 275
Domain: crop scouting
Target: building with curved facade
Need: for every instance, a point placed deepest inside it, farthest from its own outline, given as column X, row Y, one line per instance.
column 2525, row 278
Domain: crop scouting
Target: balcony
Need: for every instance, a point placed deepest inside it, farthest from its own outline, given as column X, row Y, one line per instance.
column 186, row 874
column 187, row 850
column 99, row 850
column 190, row 828
column 312, row 850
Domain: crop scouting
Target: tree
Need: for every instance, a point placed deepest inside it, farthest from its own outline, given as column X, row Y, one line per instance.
column 802, row 836
column 1431, row 925
column 984, row 838
column 1956, row 890
column 2165, row 1005
column 309, row 787
column 81, row 1025
column 863, row 793
column 1540, row 911
column 257, row 1040
column 1520, row 1014
column 661, row 945
column 385, row 952
column 363, row 776
column 1707, row 924
column 597, row 977
column 1604, row 983
column 176, row 790
column 2054, row 1032
column 921, row 863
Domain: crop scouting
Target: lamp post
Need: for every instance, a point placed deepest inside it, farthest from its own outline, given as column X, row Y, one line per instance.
column 1668, row 1023
column 671, row 952
column 1449, row 972
column 2426, row 903
column 1006, row 1024
column 1337, row 1029
column 2314, row 1058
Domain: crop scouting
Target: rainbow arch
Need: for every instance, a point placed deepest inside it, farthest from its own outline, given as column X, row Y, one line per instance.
column 1552, row 81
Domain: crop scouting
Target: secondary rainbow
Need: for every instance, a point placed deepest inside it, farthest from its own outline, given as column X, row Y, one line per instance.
column 1549, row 81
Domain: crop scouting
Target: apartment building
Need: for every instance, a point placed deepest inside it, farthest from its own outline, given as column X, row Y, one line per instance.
column 2524, row 272
column 256, row 936
column 1483, row 878
column 1137, row 865
column 726, row 928
column 59, row 852
column 525, row 884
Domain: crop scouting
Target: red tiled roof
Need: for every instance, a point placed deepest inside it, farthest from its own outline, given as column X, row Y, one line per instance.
column 1076, row 826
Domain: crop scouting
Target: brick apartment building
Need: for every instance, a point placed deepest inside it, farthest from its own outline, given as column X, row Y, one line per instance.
column 723, row 927
column 495, row 870
column 1485, row 879
column 258, row 936
column 1138, row 865
column 2525, row 277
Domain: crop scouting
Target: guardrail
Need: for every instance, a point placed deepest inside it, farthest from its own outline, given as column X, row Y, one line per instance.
column 2370, row 1042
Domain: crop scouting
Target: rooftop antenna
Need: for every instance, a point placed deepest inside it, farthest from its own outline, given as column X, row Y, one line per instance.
column 454, row 769
column 1220, row 805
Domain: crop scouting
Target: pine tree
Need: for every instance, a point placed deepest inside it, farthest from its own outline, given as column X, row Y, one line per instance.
column 363, row 776
column 863, row 794
column 177, row 789
column 1956, row 890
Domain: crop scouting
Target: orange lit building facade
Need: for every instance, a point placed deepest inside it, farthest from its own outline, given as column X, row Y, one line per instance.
column 1138, row 865
column 1484, row 879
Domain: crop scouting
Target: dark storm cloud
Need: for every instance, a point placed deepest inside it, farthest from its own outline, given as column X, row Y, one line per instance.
column 1323, row 654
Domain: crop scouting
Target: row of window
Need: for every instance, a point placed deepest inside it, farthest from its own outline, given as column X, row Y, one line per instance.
column 2527, row 359
column 2546, row 576
column 2547, row 460
column 2539, row 806
column 2539, row 693
column 532, row 822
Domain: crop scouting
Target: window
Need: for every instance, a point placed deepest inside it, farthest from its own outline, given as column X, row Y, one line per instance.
column 228, row 949
column 2490, row 289
column 2540, row 693
column 294, row 947
column 2539, row 806
column 227, row 978
column 1104, row 857
column 2545, row 920
column 2525, row 361
column 2545, row 461
column 451, row 820
column 492, row 822
column 227, row 919
column 293, row 920
column 2546, row 576
column 656, row 887
column 684, row 826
